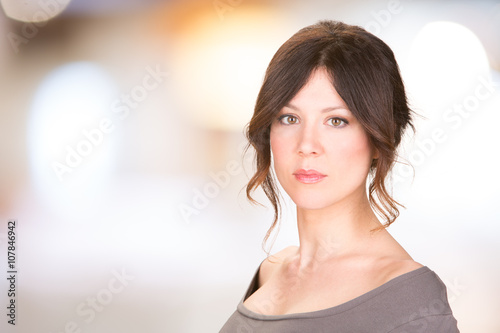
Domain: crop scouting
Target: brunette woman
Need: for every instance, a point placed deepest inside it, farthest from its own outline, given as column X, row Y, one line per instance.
column 330, row 115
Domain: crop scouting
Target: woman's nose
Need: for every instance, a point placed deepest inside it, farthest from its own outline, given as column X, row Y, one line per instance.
column 309, row 141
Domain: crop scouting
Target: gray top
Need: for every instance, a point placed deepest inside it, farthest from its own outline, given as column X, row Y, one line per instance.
column 413, row 302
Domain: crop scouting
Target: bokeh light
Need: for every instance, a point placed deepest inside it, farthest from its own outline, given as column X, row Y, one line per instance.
column 33, row 10
column 71, row 137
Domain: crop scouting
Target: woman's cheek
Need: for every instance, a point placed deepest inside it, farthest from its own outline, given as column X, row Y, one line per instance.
column 277, row 153
column 278, row 141
column 280, row 155
column 358, row 152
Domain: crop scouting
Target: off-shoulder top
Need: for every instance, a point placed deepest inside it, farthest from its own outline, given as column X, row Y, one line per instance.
column 413, row 302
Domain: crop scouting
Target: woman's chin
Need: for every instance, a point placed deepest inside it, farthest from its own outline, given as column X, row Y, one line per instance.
column 311, row 203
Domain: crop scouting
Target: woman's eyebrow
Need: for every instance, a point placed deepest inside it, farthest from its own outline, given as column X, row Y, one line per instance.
column 334, row 108
column 327, row 109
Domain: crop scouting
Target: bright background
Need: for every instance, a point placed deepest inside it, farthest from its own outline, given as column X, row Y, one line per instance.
column 159, row 197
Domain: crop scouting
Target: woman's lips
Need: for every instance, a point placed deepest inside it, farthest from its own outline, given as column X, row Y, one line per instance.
column 308, row 176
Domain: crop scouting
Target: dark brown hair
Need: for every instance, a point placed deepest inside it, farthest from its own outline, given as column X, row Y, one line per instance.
column 365, row 74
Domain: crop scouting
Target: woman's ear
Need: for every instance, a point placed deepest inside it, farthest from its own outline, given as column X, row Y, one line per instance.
column 375, row 153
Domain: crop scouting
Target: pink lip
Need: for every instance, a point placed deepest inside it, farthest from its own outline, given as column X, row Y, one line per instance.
column 308, row 176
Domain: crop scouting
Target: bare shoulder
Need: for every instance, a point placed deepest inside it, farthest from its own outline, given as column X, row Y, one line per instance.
column 401, row 267
column 274, row 262
column 393, row 258
column 390, row 268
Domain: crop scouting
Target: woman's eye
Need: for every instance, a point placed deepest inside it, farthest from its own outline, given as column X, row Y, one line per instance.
column 336, row 122
column 288, row 119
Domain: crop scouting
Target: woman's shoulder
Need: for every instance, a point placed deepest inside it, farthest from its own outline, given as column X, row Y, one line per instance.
column 398, row 267
column 274, row 261
column 423, row 281
column 419, row 298
column 390, row 259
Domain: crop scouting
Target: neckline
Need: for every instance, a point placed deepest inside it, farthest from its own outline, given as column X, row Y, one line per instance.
column 337, row 308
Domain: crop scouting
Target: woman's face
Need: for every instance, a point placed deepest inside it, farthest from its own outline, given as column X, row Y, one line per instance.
column 321, row 153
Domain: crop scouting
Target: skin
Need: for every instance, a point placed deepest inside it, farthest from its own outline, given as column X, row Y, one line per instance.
column 340, row 257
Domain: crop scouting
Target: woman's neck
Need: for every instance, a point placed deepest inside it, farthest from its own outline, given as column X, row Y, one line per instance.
column 335, row 230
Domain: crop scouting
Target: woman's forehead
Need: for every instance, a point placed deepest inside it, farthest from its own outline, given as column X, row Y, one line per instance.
column 319, row 93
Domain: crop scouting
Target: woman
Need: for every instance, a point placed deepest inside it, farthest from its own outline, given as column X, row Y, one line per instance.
column 331, row 111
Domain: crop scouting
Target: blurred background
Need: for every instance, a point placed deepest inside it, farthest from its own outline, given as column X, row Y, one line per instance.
column 121, row 140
